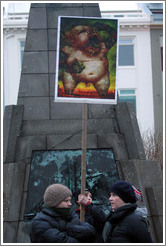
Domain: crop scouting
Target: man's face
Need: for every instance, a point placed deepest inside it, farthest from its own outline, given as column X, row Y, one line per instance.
column 65, row 204
column 115, row 201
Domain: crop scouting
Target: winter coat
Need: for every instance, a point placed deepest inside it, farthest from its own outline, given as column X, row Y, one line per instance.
column 124, row 225
column 49, row 227
column 97, row 218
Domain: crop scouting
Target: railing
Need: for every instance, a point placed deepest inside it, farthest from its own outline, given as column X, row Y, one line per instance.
column 124, row 15
column 12, row 16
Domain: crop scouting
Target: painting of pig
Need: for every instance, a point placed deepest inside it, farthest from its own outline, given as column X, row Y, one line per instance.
column 87, row 58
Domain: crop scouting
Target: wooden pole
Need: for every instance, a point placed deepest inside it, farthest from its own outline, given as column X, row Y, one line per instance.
column 83, row 160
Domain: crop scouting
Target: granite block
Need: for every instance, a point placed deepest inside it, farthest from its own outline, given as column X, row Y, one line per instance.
column 34, row 85
column 35, row 108
column 26, row 145
column 129, row 127
column 36, row 40
column 65, row 110
column 70, row 141
column 10, row 232
column 101, row 111
column 52, row 61
column 53, row 13
column 13, row 174
column 52, row 39
column 35, row 62
column 13, row 116
column 37, row 18
column 91, row 9
column 50, row 127
column 63, row 5
column 52, row 84
column 115, row 142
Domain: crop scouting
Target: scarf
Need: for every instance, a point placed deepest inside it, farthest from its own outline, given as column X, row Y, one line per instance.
column 63, row 212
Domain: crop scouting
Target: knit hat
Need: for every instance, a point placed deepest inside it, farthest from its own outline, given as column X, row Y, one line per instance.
column 125, row 191
column 138, row 194
column 55, row 194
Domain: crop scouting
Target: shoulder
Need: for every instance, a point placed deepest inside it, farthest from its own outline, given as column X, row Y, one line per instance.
column 96, row 208
column 133, row 216
column 98, row 214
column 135, row 219
column 40, row 222
column 45, row 213
column 41, row 215
column 45, row 217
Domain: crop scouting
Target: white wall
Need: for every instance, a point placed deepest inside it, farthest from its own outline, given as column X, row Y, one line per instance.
column 12, row 64
column 139, row 77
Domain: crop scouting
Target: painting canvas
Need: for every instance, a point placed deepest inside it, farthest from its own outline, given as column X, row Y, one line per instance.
column 87, row 58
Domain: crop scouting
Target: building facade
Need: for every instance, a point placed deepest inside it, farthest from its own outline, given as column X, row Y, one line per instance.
column 140, row 67
column 156, row 34
column 140, row 59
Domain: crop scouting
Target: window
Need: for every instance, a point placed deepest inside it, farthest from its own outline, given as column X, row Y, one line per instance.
column 158, row 16
column 117, row 16
column 128, row 96
column 22, row 45
column 126, row 52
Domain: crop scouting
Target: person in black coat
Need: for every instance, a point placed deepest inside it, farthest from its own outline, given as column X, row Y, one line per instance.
column 56, row 223
column 123, row 224
column 94, row 215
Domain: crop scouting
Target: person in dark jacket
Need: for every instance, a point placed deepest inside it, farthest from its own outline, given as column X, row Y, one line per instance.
column 94, row 215
column 123, row 224
column 56, row 223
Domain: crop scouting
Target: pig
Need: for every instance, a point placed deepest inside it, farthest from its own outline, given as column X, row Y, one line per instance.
column 86, row 59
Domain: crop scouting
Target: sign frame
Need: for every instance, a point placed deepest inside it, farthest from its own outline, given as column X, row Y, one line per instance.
column 98, row 96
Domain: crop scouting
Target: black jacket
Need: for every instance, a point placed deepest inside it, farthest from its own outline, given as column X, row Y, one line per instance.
column 125, row 226
column 49, row 227
column 97, row 218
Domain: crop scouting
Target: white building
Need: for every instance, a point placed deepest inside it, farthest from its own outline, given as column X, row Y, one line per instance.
column 136, row 80
column 14, row 34
column 135, row 75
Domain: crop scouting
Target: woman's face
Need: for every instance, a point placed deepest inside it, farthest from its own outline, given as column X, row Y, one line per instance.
column 115, row 201
column 65, row 204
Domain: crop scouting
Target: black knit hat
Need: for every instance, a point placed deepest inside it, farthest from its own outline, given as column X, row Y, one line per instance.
column 55, row 194
column 125, row 191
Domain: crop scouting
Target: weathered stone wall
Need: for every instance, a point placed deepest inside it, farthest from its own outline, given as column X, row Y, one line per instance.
column 38, row 123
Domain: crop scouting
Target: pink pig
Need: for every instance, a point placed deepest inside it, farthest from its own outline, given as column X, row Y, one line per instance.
column 86, row 60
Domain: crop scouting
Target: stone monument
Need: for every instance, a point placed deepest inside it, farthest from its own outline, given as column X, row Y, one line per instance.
column 37, row 126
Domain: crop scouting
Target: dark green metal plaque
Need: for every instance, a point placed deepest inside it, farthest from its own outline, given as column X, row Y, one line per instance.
column 64, row 166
